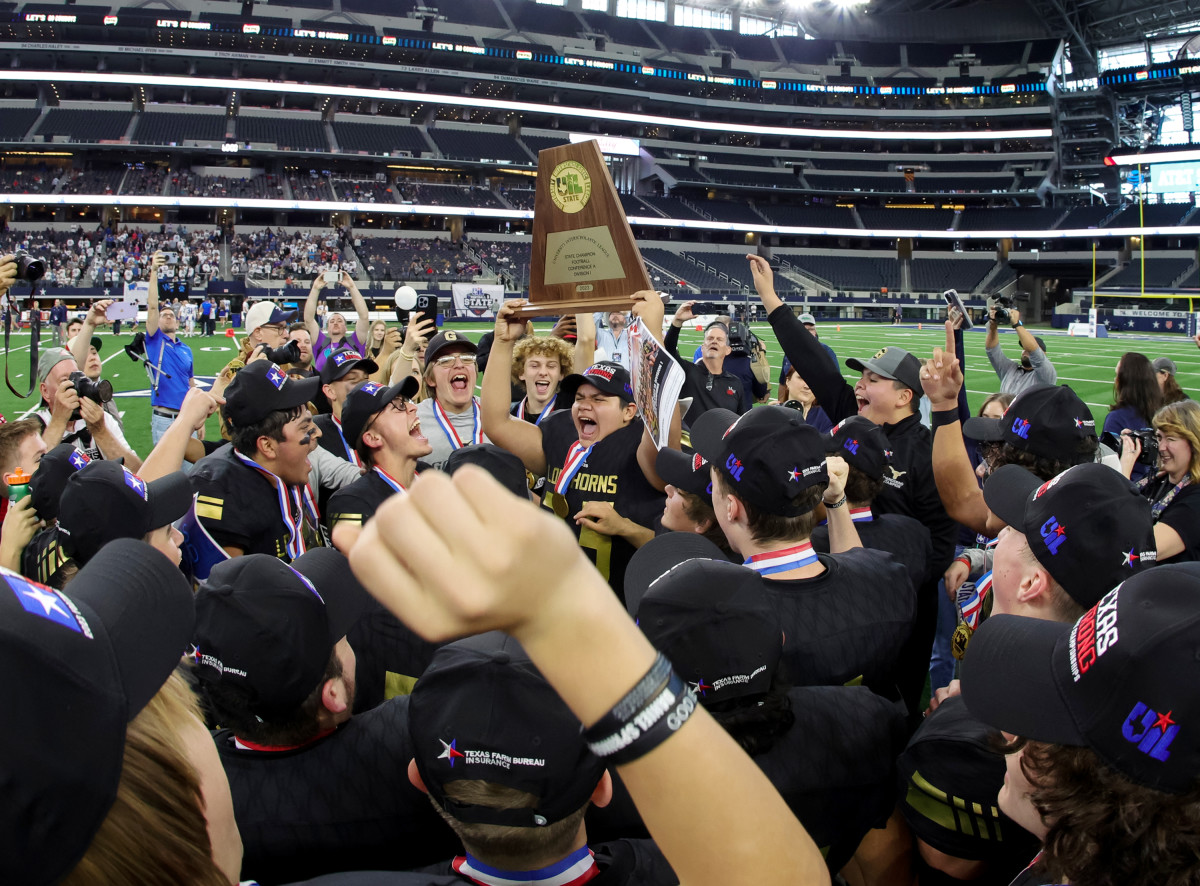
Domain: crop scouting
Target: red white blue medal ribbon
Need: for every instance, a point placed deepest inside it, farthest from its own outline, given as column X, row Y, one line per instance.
column 785, row 560
column 577, row 868
column 972, row 607
column 351, row 455
column 301, row 499
column 443, row 421
column 390, row 480
column 576, row 456
column 545, row 412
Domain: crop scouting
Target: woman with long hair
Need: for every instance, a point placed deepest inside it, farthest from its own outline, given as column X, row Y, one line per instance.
column 1164, row 368
column 800, row 396
column 1174, row 490
column 1136, row 398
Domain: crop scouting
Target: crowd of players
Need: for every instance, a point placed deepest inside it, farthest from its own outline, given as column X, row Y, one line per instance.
column 343, row 644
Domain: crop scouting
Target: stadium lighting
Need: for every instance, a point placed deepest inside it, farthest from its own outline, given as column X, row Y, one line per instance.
column 1152, row 157
column 477, row 102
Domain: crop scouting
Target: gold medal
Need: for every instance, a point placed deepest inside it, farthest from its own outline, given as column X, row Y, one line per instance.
column 959, row 640
column 557, row 503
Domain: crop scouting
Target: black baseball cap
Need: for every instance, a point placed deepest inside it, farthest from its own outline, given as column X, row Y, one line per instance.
column 612, row 379
column 103, row 501
column 339, row 363
column 1124, row 680
column 714, row 622
column 657, row 557
column 482, row 710
column 1086, row 526
column 1047, row 420
column 448, row 339
column 768, row 456
column 261, row 388
column 82, row 663
column 50, row 479
column 687, row 472
column 894, row 363
column 863, row 445
column 505, row 467
column 268, row 628
column 370, row 398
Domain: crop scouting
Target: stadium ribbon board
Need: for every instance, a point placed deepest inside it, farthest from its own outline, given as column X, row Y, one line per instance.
column 584, row 255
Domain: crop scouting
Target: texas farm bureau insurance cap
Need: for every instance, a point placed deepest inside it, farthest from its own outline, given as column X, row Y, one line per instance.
column 83, row 663
column 1124, row 680
column 482, row 710
column 268, row 628
column 1047, row 420
column 687, row 472
column 768, row 456
column 1086, row 526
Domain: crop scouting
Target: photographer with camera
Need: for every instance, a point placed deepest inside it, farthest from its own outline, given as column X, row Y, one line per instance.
column 85, row 347
column 168, row 360
column 73, row 410
column 1174, row 489
column 1035, row 367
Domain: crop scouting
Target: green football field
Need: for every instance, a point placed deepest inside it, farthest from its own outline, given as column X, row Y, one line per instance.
column 1087, row 365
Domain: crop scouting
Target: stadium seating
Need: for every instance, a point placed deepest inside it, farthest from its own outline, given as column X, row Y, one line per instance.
column 939, row 274
column 15, row 123
column 401, row 258
column 1009, row 218
column 808, row 216
column 672, row 207
column 681, row 269
column 848, row 271
column 1151, row 215
column 84, row 125
column 874, row 218
column 467, row 144
column 165, row 128
column 287, row 133
column 1161, row 273
column 374, row 138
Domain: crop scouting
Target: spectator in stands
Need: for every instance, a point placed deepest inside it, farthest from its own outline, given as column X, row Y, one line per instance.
column 1164, row 368
column 1174, row 491
column 797, row 394
column 708, row 383
column 1136, row 398
column 1035, row 367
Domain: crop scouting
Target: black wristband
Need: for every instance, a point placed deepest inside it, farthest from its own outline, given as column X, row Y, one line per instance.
column 663, row 716
column 941, row 419
column 1018, row 323
column 635, row 699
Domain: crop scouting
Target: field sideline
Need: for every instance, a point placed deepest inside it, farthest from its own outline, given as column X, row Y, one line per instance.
column 1087, row 365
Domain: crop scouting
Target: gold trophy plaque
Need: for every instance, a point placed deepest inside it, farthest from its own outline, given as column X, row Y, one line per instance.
column 584, row 255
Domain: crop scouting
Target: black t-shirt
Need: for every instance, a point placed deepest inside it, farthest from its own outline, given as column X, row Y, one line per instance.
column 390, row 658
column 239, row 506
column 611, row 473
column 43, row 558
column 707, row 391
column 555, row 405
column 949, row 776
column 331, row 438
column 341, row 803
column 1182, row 515
column 851, row 621
column 621, row 863
column 903, row 537
column 357, row 502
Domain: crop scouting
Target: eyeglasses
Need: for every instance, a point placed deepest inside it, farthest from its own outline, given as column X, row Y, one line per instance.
column 466, row 359
column 400, row 404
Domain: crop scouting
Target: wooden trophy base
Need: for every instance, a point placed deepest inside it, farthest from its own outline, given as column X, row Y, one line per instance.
column 529, row 310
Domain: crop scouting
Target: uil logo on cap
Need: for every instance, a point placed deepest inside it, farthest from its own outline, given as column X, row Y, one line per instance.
column 735, row 467
column 276, row 377
column 1053, row 534
column 1151, row 731
column 136, row 483
column 344, row 357
column 1020, row 427
column 78, row 459
column 851, row 446
column 371, row 389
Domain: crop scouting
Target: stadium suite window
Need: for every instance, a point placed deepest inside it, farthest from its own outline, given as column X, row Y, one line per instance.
column 647, row 10
column 695, row 17
column 553, row 2
column 753, row 26
column 595, row 5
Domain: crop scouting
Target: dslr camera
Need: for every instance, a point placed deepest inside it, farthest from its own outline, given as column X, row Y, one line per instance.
column 99, row 392
column 288, row 353
column 30, row 269
column 1000, row 306
column 1146, row 436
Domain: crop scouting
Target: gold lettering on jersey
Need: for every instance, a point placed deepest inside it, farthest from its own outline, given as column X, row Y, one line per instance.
column 602, row 483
